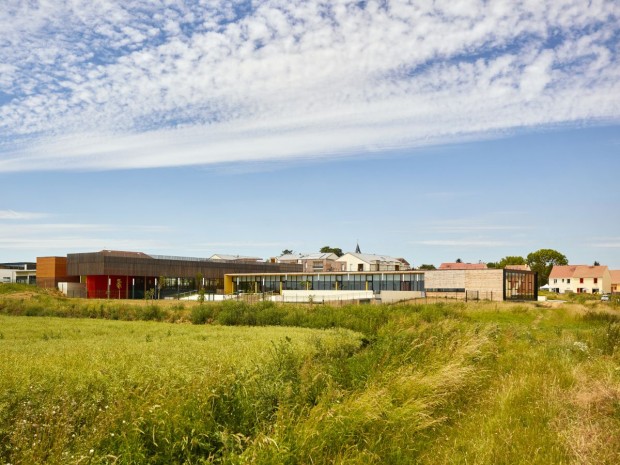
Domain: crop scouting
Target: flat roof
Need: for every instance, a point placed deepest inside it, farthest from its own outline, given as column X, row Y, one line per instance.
column 321, row 273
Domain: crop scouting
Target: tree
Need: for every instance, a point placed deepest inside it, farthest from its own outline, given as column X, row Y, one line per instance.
column 509, row 260
column 287, row 252
column 161, row 283
column 199, row 281
column 458, row 260
column 596, row 263
column 543, row 260
column 427, row 267
column 335, row 250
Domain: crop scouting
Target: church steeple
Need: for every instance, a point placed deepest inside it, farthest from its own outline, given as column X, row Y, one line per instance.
column 357, row 248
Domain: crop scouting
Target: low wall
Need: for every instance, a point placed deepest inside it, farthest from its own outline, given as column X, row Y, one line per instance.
column 323, row 296
column 388, row 297
column 73, row 289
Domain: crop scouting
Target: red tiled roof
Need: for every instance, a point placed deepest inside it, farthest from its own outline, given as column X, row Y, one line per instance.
column 615, row 276
column 518, row 267
column 463, row 266
column 584, row 271
column 563, row 271
column 577, row 271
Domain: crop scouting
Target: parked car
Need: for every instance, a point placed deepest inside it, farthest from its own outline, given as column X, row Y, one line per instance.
column 605, row 297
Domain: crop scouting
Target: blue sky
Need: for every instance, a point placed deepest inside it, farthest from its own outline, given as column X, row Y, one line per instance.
column 430, row 130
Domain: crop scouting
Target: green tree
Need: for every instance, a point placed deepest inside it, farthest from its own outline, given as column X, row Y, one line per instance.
column 334, row 250
column 511, row 260
column 458, row 260
column 161, row 282
column 287, row 252
column 426, row 267
column 543, row 260
column 596, row 263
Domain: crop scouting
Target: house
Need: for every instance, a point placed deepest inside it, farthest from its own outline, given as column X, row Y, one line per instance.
column 463, row 266
column 369, row 262
column 313, row 262
column 19, row 272
column 580, row 279
column 615, row 281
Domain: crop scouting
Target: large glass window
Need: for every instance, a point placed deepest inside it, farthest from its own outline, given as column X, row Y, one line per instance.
column 520, row 285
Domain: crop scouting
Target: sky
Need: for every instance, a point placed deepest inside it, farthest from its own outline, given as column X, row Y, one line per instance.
column 428, row 130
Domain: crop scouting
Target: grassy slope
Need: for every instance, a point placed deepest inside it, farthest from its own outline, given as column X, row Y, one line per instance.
column 446, row 383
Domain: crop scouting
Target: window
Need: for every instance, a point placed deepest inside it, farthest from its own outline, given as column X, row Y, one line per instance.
column 595, row 280
column 360, row 267
column 580, row 280
column 567, row 281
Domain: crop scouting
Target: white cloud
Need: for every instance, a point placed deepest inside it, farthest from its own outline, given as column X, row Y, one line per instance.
column 468, row 243
column 611, row 243
column 14, row 215
column 46, row 238
column 108, row 85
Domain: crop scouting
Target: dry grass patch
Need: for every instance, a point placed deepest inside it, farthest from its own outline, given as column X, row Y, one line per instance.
column 590, row 425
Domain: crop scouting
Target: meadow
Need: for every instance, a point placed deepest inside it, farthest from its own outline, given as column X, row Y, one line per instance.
column 232, row 383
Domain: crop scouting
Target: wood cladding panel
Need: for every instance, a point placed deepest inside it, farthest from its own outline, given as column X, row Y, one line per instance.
column 101, row 264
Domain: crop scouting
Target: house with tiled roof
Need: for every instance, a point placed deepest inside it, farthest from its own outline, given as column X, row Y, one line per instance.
column 313, row 262
column 580, row 279
column 371, row 262
column 615, row 281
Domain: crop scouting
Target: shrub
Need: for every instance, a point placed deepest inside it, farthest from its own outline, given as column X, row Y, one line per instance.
column 202, row 314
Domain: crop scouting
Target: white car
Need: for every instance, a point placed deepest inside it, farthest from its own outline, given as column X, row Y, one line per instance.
column 605, row 297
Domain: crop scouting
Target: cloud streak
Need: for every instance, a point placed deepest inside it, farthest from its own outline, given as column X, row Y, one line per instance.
column 149, row 84
column 15, row 215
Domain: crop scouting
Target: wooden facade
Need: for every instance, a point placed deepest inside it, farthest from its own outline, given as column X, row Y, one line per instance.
column 53, row 270
column 138, row 264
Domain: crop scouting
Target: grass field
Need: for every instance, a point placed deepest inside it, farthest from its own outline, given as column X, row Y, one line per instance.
column 476, row 383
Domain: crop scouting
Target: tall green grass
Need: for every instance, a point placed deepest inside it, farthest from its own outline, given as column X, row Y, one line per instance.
column 484, row 383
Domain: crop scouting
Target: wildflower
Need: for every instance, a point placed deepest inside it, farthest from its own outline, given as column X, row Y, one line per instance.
column 582, row 346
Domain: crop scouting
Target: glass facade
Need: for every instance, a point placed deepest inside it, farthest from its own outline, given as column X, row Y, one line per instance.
column 376, row 282
column 504, row 285
column 172, row 287
column 520, row 285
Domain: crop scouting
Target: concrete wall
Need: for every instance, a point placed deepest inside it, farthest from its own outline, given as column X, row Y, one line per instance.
column 323, row 296
column 477, row 284
column 488, row 283
column 444, row 279
column 388, row 297
column 73, row 289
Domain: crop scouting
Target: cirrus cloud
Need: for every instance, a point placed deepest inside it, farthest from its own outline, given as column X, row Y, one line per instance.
column 151, row 83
